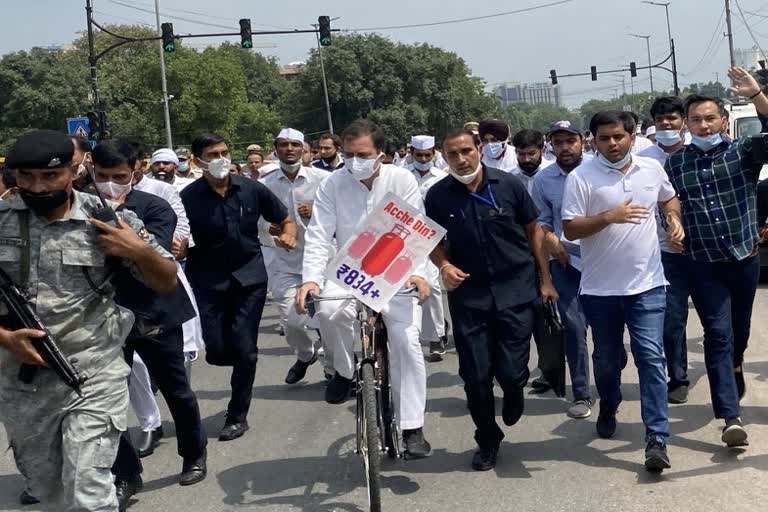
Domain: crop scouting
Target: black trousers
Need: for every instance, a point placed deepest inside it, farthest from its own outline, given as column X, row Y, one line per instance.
column 230, row 321
column 164, row 356
column 491, row 343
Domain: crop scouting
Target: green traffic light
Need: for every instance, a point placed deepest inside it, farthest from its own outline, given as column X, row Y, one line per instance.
column 170, row 47
column 247, row 43
column 325, row 41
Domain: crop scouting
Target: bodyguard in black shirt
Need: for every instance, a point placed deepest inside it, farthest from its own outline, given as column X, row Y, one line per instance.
column 226, row 268
column 488, row 262
column 157, row 332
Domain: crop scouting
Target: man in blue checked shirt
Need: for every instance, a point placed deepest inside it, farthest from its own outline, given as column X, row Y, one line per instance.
column 716, row 180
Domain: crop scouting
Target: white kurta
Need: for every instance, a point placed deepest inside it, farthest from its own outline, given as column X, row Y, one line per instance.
column 341, row 204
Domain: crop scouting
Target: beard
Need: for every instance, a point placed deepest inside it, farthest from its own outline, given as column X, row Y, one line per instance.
column 529, row 168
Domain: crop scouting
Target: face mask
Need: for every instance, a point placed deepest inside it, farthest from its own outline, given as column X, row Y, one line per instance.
column 422, row 166
column 668, row 137
column 706, row 142
column 113, row 190
column 467, row 178
column 218, row 167
column 162, row 175
column 494, row 149
column 183, row 166
column 362, row 168
column 44, row 202
column 290, row 168
column 329, row 159
column 614, row 165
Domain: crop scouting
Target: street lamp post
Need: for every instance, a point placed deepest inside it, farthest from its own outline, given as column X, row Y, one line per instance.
column 650, row 64
column 666, row 5
column 166, row 107
column 325, row 82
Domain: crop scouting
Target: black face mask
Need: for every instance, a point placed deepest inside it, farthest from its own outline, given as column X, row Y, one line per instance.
column 44, row 202
column 329, row 159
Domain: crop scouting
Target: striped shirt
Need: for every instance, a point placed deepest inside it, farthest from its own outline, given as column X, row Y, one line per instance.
column 717, row 192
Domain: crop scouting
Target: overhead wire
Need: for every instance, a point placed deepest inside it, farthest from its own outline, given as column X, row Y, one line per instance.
column 710, row 48
column 460, row 20
column 746, row 25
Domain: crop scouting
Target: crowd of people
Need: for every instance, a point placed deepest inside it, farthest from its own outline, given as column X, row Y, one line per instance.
column 616, row 229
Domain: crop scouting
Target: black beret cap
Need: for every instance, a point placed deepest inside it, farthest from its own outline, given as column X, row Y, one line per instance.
column 41, row 149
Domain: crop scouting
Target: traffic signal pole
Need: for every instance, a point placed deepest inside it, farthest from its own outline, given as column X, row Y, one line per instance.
column 164, row 84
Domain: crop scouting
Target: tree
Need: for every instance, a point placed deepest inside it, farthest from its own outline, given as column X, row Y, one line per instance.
column 406, row 88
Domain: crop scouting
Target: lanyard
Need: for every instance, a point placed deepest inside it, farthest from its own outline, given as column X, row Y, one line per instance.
column 489, row 202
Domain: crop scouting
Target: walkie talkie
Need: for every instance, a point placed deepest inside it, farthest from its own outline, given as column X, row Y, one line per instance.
column 104, row 214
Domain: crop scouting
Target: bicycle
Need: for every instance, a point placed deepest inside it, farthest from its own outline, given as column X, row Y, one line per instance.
column 377, row 431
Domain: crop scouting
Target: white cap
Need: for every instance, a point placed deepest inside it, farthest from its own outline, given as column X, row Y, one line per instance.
column 290, row 134
column 164, row 155
column 422, row 142
column 651, row 130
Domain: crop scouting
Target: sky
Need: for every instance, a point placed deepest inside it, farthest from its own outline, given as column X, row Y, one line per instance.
column 569, row 37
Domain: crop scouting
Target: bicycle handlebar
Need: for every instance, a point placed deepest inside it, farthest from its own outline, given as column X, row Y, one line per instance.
column 410, row 292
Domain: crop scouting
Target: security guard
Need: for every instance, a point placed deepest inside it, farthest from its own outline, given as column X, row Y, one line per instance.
column 488, row 262
column 157, row 333
column 65, row 444
column 226, row 267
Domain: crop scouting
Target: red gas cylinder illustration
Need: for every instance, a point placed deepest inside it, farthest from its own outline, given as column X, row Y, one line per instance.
column 362, row 243
column 398, row 269
column 384, row 251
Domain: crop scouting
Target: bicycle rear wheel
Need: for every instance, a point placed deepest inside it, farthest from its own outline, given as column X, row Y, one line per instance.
column 370, row 447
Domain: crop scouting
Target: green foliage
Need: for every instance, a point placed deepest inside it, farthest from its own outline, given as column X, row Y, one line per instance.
column 536, row 117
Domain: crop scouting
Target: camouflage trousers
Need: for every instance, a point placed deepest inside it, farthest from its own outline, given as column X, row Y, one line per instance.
column 65, row 445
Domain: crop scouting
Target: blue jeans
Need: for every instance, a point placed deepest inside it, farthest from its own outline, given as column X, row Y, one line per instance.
column 643, row 314
column 676, row 270
column 723, row 294
column 567, row 281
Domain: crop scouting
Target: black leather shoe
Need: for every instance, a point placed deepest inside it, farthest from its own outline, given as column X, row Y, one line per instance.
column 299, row 370
column 233, row 431
column 126, row 489
column 338, row 389
column 485, row 459
column 194, row 471
column 416, row 446
column 606, row 422
column 148, row 441
column 27, row 499
column 514, row 404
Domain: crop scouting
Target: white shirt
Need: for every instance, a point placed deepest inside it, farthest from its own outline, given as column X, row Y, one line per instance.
column 341, row 204
column 293, row 194
column 506, row 163
column 641, row 143
column 430, row 178
column 440, row 162
column 170, row 194
column 621, row 259
column 657, row 153
column 266, row 169
column 402, row 161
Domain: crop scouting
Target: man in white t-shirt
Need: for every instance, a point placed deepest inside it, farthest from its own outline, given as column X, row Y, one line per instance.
column 669, row 117
column 609, row 204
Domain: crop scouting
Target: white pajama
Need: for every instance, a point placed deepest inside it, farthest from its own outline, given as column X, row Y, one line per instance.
column 142, row 399
column 433, row 316
column 408, row 374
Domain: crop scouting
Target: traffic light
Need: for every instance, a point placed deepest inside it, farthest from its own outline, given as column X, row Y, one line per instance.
column 246, row 38
column 553, row 76
column 324, row 26
column 632, row 69
column 169, row 43
column 93, row 124
column 593, row 70
column 104, row 125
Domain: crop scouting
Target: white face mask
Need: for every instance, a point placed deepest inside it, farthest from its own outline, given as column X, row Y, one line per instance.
column 290, row 168
column 361, row 168
column 113, row 190
column 184, row 166
column 467, row 178
column 422, row 166
column 218, row 167
column 494, row 149
column 668, row 137
column 614, row 165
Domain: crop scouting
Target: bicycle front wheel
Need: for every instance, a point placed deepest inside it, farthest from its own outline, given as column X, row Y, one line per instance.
column 370, row 447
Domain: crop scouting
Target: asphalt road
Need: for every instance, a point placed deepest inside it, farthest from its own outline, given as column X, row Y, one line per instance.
column 298, row 454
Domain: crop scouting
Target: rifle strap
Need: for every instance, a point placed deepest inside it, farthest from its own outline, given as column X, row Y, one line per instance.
column 25, row 249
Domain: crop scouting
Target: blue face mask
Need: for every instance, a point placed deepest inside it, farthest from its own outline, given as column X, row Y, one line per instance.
column 706, row 142
column 668, row 138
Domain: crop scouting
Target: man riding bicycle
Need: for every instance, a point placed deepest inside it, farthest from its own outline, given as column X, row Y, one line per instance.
column 341, row 203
